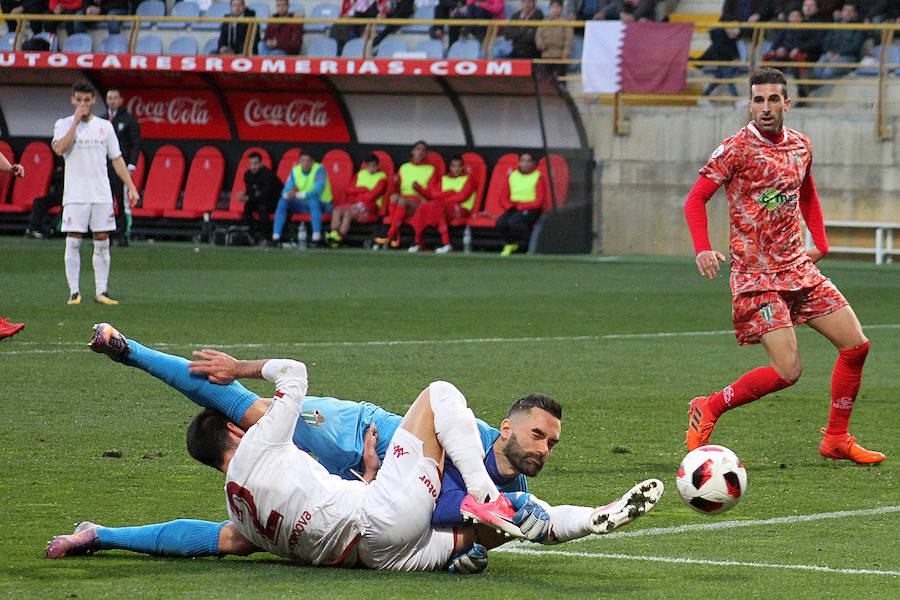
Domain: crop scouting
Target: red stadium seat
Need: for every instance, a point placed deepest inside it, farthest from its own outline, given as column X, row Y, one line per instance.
column 340, row 173
column 38, row 162
column 6, row 178
column 560, row 180
column 386, row 164
column 140, row 171
column 204, row 183
column 436, row 160
column 290, row 158
column 477, row 169
column 163, row 183
column 235, row 207
column 492, row 210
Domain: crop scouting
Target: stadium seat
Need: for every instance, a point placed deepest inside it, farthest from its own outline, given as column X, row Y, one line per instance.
column 113, row 44
column 287, row 162
column 390, row 46
column 322, row 47
column 183, row 45
column 216, row 9
column 6, row 178
column 6, row 41
column 487, row 217
column 560, row 180
column 211, row 46
column 432, row 48
column 464, row 50
column 577, row 50
column 435, row 159
column 235, row 208
column 148, row 8
column 140, row 170
column 477, row 169
column 149, row 44
column 325, row 10
column 163, row 183
column 186, row 8
column 78, row 42
column 38, row 162
column 424, row 13
column 502, row 47
column 353, row 48
column 50, row 38
column 893, row 58
column 262, row 10
column 386, row 164
column 340, row 173
column 204, row 183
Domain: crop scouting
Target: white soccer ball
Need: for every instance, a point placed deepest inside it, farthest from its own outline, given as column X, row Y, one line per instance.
column 711, row 479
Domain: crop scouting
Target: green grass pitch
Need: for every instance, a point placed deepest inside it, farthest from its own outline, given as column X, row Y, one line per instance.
column 379, row 326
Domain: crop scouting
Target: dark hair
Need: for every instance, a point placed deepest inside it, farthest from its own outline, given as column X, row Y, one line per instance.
column 207, row 437
column 457, row 157
column 114, row 89
column 768, row 75
column 372, row 158
column 308, row 153
column 255, row 155
column 536, row 401
column 423, row 142
column 560, row 2
column 83, row 86
column 530, row 154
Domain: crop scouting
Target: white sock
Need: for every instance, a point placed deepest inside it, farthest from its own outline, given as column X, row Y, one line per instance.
column 455, row 427
column 316, row 236
column 276, row 237
column 568, row 523
column 73, row 263
column 101, row 265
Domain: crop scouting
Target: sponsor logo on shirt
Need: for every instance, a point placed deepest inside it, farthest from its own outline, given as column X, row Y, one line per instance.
column 429, row 486
column 399, row 451
column 773, row 199
column 299, row 528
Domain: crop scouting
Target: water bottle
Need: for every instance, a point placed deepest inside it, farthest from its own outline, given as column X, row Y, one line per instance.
column 467, row 240
column 301, row 237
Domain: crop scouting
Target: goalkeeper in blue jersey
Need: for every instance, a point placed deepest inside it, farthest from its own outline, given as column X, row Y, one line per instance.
column 349, row 439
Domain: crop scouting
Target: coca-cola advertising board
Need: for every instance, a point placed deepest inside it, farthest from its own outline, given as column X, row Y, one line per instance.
column 181, row 114
column 287, row 116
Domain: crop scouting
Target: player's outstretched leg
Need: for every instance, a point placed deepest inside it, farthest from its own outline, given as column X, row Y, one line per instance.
column 233, row 399
column 183, row 537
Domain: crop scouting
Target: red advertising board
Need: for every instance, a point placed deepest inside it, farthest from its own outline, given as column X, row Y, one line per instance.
column 181, row 114
column 279, row 116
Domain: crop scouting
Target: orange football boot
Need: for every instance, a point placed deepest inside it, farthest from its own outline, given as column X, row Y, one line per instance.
column 844, row 446
column 700, row 423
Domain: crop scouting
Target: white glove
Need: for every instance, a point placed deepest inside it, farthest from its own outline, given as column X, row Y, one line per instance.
column 471, row 562
column 302, row 195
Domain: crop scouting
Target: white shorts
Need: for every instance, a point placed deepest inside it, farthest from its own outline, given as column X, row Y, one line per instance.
column 397, row 531
column 77, row 217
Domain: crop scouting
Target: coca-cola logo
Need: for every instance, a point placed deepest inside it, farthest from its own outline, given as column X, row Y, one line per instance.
column 299, row 112
column 181, row 110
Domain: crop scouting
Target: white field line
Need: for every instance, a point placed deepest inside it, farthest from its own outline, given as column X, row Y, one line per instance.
column 62, row 346
column 694, row 561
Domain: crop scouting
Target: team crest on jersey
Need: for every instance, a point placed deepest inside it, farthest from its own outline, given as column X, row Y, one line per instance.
column 767, row 311
column 773, row 199
column 313, row 417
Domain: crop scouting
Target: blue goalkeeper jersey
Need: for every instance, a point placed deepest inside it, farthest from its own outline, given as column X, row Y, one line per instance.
column 333, row 430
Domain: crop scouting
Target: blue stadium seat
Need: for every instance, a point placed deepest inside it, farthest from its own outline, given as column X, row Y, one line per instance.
column 6, row 42
column 893, row 58
column 502, row 47
column 390, row 46
column 422, row 12
column 211, row 46
column 431, row 48
column 78, row 42
column 113, row 44
column 184, row 45
column 325, row 10
column 464, row 50
column 577, row 49
column 261, row 9
column 187, row 8
column 216, row 9
column 51, row 39
column 149, row 8
column 353, row 48
column 149, row 44
column 322, row 47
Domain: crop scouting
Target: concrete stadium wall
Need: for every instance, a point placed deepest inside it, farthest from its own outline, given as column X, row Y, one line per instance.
column 645, row 176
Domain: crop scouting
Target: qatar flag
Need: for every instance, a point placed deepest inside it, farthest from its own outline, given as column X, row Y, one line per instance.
column 635, row 58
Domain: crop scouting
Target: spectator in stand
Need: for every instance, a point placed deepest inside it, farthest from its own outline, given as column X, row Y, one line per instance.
column 841, row 45
column 523, row 37
column 63, row 7
column 555, row 42
column 262, row 188
column 394, row 9
column 307, row 190
column 626, row 10
column 522, row 202
column 581, row 10
column 28, row 7
column 794, row 45
column 103, row 7
column 452, row 197
column 38, row 227
column 475, row 9
column 283, row 38
column 750, row 11
column 358, row 9
column 413, row 180
column 724, row 47
column 876, row 11
column 363, row 200
column 812, row 14
column 128, row 131
column 232, row 35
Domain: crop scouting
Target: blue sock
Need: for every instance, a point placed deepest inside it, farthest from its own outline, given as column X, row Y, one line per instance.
column 184, row 537
column 233, row 399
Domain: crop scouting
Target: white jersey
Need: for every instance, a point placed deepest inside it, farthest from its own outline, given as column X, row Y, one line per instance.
column 279, row 497
column 86, row 179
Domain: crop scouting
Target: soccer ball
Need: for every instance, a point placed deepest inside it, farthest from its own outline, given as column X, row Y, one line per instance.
column 711, row 479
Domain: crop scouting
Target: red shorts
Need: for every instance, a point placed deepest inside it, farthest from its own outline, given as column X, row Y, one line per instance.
column 758, row 313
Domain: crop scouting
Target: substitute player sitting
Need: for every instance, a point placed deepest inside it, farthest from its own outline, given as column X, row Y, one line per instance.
column 767, row 172
column 413, row 179
column 363, row 200
column 452, row 197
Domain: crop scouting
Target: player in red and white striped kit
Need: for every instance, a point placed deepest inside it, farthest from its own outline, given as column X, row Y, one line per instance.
column 766, row 170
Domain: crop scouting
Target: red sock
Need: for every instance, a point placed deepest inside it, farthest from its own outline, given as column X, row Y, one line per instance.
column 445, row 233
column 398, row 213
column 844, row 385
column 751, row 386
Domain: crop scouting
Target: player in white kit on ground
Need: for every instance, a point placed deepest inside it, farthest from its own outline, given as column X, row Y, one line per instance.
column 86, row 142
